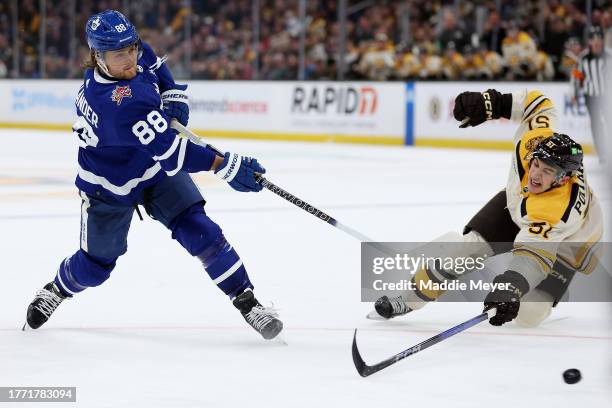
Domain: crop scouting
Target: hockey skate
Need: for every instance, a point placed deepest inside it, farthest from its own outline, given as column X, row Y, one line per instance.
column 262, row 319
column 42, row 307
column 387, row 308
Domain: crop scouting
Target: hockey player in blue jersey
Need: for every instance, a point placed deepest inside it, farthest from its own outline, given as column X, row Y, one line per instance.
column 129, row 156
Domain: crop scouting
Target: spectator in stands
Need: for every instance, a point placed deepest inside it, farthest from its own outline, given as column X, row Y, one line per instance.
column 606, row 26
column 452, row 31
column 474, row 64
column 493, row 63
column 556, row 35
column 453, row 63
column 6, row 55
column 407, row 65
column 219, row 44
column 571, row 54
column 378, row 60
column 541, row 67
column 493, row 32
column 519, row 51
column 430, row 64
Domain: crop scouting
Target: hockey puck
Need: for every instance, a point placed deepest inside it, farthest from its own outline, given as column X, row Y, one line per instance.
column 572, row 376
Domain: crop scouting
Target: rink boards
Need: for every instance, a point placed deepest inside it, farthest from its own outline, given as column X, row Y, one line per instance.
column 391, row 113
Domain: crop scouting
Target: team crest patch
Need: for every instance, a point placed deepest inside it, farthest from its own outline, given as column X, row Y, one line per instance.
column 121, row 92
column 95, row 24
column 531, row 145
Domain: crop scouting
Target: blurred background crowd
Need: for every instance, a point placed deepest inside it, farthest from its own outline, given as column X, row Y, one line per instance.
column 326, row 39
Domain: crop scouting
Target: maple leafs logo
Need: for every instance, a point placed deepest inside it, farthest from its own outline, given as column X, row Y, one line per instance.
column 95, row 24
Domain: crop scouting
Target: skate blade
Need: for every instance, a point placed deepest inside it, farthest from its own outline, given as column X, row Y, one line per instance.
column 373, row 315
column 280, row 339
column 26, row 327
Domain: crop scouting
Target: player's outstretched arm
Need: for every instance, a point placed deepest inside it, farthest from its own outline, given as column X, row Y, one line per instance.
column 474, row 108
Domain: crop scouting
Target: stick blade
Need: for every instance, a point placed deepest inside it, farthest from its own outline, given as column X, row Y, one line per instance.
column 362, row 368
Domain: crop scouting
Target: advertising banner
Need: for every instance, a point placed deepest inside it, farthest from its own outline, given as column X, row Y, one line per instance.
column 396, row 113
column 334, row 111
column 45, row 104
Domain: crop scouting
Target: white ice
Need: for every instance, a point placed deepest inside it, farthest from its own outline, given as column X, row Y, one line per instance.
column 158, row 333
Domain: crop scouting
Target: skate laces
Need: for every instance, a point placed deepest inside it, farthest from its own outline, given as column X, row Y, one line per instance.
column 398, row 305
column 260, row 316
column 48, row 302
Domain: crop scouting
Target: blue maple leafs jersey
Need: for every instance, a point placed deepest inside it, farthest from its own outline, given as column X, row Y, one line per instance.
column 125, row 139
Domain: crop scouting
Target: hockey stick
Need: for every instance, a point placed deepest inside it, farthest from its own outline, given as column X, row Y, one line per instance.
column 365, row 370
column 281, row 192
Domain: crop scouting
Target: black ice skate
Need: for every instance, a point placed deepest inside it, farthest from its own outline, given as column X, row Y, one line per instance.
column 42, row 307
column 389, row 308
column 263, row 320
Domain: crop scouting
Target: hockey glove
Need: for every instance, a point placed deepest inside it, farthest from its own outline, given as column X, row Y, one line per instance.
column 176, row 103
column 239, row 172
column 506, row 298
column 473, row 108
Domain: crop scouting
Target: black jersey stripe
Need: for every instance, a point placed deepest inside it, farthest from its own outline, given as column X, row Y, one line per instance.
column 523, row 207
column 535, row 108
column 572, row 201
column 531, row 104
column 519, row 162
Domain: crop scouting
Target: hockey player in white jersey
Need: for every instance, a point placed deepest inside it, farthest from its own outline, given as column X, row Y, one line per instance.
column 547, row 214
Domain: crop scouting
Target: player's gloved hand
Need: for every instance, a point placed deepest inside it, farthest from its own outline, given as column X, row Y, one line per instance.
column 239, row 172
column 506, row 297
column 176, row 103
column 473, row 108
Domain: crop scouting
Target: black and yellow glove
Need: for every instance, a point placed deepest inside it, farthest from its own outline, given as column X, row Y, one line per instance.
column 507, row 298
column 473, row 108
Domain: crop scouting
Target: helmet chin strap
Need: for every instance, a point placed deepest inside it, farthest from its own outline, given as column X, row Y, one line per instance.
column 558, row 179
column 99, row 55
column 102, row 64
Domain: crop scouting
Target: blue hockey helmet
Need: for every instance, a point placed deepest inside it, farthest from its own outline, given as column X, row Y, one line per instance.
column 110, row 30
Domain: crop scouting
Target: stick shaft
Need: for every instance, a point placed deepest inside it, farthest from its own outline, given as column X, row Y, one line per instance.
column 298, row 202
column 176, row 125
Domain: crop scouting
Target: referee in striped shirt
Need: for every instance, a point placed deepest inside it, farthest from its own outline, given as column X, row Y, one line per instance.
column 589, row 78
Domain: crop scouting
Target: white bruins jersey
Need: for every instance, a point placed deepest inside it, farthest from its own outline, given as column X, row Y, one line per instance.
column 562, row 224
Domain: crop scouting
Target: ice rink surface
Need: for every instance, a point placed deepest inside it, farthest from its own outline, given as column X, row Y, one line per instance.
column 158, row 333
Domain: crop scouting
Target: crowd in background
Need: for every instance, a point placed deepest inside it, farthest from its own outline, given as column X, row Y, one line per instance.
column 385, row 40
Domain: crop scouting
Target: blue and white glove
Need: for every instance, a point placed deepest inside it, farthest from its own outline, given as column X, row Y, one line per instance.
column 176, row 103
column 239, row 172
